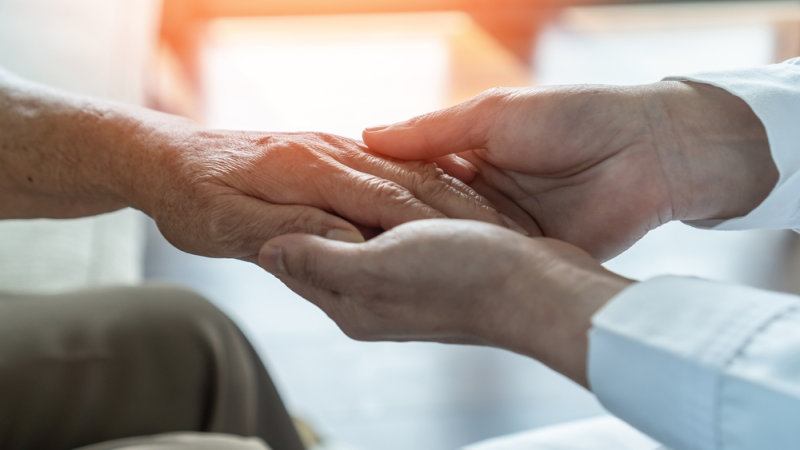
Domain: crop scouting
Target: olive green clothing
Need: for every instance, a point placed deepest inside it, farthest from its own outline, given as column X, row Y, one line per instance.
column 106, row 364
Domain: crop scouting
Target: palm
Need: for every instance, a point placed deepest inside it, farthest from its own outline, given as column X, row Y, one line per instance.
column 580, row 168
column 591, row 185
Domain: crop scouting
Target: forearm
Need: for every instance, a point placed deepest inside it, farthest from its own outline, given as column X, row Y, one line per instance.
column 545, row 312
column 63, row 155
column 562, row 342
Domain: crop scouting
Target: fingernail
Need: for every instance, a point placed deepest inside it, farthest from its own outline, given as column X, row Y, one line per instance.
column 375, row 129
column 271, row 259
column 339, row 234
column 514, row 225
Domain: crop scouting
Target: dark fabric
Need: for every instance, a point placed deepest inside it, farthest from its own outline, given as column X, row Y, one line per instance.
column 93, row 366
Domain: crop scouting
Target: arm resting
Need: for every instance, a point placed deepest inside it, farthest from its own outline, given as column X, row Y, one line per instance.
column 63, row 155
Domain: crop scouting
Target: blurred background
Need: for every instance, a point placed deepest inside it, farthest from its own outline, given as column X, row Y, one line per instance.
column 339, row 66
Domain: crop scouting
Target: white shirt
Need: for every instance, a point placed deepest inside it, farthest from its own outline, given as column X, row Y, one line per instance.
column 699, row 365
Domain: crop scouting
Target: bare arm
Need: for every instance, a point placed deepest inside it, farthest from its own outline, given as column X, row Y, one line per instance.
column 64, row 155
column 213, row 193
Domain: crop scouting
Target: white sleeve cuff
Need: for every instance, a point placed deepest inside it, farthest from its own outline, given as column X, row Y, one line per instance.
column 658, row 349
column 773, row 92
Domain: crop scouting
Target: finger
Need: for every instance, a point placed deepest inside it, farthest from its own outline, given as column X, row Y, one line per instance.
column 243, row 224
column 374, row 202
column 456, row 167
column 507, row 207
column 456, row 129
column 423, row 180
column 449, row 195
column 320, row 263
column 428, row 183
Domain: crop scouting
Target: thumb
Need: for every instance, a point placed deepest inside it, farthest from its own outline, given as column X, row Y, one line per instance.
column 312, row 260
column 463, row 127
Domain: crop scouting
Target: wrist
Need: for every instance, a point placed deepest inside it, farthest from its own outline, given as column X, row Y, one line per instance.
column 714, row 150
column 565, row 347
column 153, row 152
column 548, row 310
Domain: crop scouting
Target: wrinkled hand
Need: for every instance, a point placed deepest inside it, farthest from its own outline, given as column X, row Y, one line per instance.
column 453, row 281
column 224, row 194
column 598, row 166
column 212, row 193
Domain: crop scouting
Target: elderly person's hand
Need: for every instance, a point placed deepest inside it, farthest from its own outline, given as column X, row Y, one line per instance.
column 454, row 282
column 224, row 194
column 212, row 193
column 598, row 166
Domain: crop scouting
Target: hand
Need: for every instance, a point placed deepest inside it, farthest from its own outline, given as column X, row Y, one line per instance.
column 212, row 193
column 224, row 194
column 456, row 282
column 598, row 166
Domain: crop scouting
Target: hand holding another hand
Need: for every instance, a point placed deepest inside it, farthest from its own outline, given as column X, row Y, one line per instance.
column 455, row 282
column 223, row 194
column 212, row 193
column 595, row 167
column 598, row 166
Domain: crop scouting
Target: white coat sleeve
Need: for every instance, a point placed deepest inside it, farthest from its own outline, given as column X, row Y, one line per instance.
column 773, row 93
column 700, row 365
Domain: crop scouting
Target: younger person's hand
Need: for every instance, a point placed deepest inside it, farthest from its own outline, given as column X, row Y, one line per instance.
column 453, row 281
column 598, row 166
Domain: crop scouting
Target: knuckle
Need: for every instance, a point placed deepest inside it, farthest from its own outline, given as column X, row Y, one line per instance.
column 436, row 189
column 362, row 159
column 389, row 192
column 431, row 182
